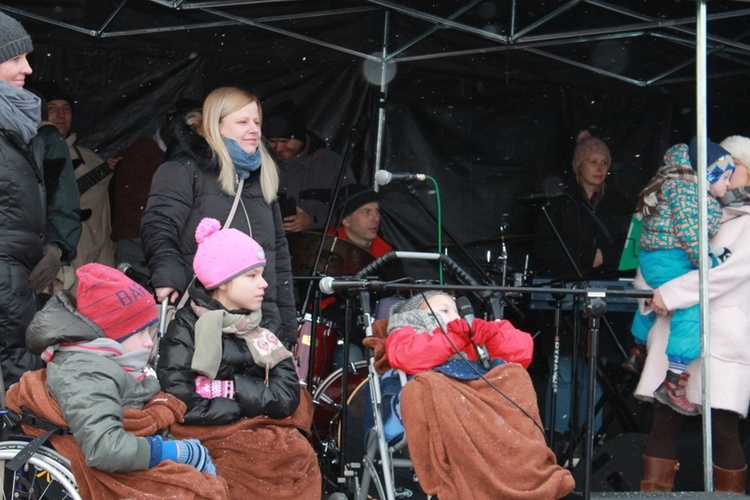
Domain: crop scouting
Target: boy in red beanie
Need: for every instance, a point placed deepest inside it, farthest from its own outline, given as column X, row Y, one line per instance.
column 97, row 346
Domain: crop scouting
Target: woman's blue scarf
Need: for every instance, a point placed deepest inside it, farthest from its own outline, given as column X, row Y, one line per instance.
column 244, row 163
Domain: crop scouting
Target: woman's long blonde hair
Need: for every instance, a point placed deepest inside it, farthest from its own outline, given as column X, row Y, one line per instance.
column 218, row 104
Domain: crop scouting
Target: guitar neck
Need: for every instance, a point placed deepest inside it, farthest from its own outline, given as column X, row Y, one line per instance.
column 92, row 178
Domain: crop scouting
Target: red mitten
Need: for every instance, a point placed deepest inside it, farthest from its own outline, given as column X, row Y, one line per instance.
column 459, row 330
column 483, row 331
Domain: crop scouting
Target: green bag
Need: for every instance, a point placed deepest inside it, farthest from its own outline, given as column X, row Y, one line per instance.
column 632, row 249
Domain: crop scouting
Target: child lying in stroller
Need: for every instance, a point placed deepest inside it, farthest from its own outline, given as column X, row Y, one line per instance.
column 470, row 436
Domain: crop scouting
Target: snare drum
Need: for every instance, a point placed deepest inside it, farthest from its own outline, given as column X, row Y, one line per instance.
column 325, row 337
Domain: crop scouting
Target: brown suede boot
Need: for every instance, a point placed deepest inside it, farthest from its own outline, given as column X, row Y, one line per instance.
column 730, row 480
column 658, row 474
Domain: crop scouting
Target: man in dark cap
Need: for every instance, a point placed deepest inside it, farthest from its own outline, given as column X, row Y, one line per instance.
column 358, row 210
column 308, row 168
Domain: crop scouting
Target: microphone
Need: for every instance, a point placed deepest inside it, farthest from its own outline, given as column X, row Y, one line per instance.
column 329, row 285
column 135, row 275
column 467, row 312
column 384, row 177
column 539, row 196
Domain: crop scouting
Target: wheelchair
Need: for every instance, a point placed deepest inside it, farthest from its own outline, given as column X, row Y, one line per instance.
column 29, row 467
column 384, row 470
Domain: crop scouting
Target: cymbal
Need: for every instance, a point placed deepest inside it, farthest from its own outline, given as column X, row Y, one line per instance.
column 339, row 257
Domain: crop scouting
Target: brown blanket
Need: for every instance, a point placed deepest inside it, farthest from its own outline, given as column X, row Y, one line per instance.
column 377, row 344
column 167, row 480
column 262, row 457
column 468, row 441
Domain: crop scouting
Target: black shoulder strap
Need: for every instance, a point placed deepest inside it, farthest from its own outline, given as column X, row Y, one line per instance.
column 28, row 451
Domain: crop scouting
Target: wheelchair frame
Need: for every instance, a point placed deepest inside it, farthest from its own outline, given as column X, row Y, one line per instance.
column 37, row 475
column 44, row 473
column 379, row 452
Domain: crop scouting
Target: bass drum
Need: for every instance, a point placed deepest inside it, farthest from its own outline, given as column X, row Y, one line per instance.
column 328, row 395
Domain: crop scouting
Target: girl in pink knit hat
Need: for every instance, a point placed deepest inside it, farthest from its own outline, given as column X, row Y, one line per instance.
column 229, row 370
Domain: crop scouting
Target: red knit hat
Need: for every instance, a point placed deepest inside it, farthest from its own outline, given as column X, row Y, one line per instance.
column 118, row 305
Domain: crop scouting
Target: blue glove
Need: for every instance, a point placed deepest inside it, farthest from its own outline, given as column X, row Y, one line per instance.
column 184, row 451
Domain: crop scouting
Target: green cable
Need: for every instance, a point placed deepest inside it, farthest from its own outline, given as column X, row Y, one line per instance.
column 440, row 226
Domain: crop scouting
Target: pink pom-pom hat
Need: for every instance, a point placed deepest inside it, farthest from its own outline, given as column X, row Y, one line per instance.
column 224, row 254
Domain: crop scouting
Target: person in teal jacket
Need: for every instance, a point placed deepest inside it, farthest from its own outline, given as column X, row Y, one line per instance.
column 52, row 154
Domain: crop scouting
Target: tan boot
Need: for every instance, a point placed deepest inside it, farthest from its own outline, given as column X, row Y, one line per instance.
column 730, row 480
column 658, row 474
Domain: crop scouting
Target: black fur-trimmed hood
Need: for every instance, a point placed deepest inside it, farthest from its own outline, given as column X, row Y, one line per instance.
column 184, row 144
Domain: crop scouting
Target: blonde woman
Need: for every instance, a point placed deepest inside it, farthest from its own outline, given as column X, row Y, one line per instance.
column 209, row 153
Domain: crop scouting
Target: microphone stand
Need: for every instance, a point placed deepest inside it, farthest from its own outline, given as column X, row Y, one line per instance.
column 312, row 290
column 555, row 367
column 343, row 462
column 496, row 308
column 573, row 422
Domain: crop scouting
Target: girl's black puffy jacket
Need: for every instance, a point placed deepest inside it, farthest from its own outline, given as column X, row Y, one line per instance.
column 253, row 397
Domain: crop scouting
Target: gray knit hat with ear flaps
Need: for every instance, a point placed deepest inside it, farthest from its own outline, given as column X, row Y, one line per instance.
column 407, row 313
column 14, row 40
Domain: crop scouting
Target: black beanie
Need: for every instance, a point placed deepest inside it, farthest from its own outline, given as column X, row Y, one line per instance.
column 352, row 197
column 14, row 40
column 53, row 92
column 285, row 122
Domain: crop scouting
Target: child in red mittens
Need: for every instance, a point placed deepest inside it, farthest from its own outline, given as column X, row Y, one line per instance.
column 425, row 331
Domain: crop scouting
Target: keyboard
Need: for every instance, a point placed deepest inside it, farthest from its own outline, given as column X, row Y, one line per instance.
column 615, row 303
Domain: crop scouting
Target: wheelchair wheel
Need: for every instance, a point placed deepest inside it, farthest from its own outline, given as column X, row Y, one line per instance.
column 46, row 475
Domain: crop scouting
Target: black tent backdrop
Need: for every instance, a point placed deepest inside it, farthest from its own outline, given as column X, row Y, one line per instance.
column 485, row 96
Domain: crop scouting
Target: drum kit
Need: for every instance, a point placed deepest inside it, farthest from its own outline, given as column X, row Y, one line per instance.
column 338, row 409
column 338, row 257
